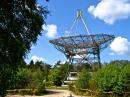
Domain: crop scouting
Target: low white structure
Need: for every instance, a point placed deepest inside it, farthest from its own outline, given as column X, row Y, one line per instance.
column 72, row 76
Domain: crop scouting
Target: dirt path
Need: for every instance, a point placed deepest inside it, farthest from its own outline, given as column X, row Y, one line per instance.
column 52, row 93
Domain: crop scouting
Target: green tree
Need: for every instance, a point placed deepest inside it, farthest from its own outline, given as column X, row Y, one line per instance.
column 58, row 63
column 120, row 62
column 32, row 79
column 107, row 78
column 42, row 66
column 20, row 24
column 31, row 63
column 83, row 79
column 113, row 78
column 55, row 77
column 80, row 67
column 124, row 78
column 58, row 74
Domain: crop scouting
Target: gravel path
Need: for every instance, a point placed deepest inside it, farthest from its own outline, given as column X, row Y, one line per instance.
column 52, row 93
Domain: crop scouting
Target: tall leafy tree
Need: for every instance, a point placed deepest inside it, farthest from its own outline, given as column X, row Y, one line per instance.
column 20, row 25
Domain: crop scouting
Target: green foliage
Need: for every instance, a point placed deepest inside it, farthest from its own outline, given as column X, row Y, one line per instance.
column 72, row 87
column 112, row 78
column 83, row 79
column 93, row 85
column 30, row 78
column 6, row 74
column 49, row 83
column 107, row 77
column 83, row 66
column 45, row 68
column 20, row 25
column 125, row 78
column 58, row 74
column 55, row 77
column 120, row 62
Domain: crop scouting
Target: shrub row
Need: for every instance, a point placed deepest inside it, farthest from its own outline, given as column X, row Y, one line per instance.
column 113, row 79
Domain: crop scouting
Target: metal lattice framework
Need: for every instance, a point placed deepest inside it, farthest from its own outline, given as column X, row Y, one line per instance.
column 86, row 46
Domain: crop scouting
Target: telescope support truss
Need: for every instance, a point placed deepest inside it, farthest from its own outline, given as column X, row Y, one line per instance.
column 82, row 48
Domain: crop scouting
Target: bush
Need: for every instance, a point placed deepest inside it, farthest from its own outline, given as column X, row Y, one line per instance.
column 107, row 78
column 112, row 79
column 83, row 79
column 72, row 87
column 93, row 85
column 55, row 77
column 40, row 89
column 49, row 84
column 31, row 79
column 125, row 78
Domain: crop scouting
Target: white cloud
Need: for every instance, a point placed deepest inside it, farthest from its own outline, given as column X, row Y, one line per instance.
column 120, row 46
column 112, row 54
column 111, row 10
column 37, row 58
column 51, row 30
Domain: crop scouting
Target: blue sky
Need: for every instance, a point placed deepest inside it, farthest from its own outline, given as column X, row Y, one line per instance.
column 102, row 16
